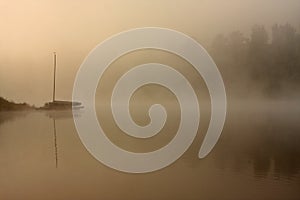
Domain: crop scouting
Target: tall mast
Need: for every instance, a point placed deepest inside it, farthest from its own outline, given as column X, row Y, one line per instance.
column 54, row 78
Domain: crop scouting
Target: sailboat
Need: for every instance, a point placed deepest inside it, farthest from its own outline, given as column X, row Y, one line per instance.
column 59, row 104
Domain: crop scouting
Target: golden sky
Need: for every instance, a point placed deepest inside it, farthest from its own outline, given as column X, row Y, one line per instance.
column 32, row 29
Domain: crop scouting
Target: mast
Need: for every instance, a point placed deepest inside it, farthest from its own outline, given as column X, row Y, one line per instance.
column 54, row 78
column 55, row 143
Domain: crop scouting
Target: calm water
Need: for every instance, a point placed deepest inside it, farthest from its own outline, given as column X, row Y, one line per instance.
column 257, row 157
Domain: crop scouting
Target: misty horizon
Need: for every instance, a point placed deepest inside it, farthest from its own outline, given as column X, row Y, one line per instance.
column 32, row 31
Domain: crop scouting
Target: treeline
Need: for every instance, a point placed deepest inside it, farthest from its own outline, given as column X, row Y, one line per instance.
column 271, row 60
column 6, row 105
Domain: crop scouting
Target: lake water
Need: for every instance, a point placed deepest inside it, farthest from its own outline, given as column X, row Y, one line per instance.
column 257, row 157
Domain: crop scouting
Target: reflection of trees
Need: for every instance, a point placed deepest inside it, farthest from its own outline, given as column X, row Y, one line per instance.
column 270, row 145
column 266, row 146
column 285, row 150
column 270, row 61
column 11, row 115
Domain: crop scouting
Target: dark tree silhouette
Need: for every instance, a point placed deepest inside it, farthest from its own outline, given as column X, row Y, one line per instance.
column 272, row 62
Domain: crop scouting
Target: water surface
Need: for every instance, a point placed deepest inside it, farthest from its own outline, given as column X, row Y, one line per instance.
column 257, row 157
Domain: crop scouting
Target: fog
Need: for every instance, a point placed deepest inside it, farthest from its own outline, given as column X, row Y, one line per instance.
column 32, row 30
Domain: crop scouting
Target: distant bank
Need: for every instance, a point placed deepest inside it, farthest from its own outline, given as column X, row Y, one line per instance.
column 6, row 105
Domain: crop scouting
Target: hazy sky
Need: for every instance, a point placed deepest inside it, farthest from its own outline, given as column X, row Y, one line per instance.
column 32, row 29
